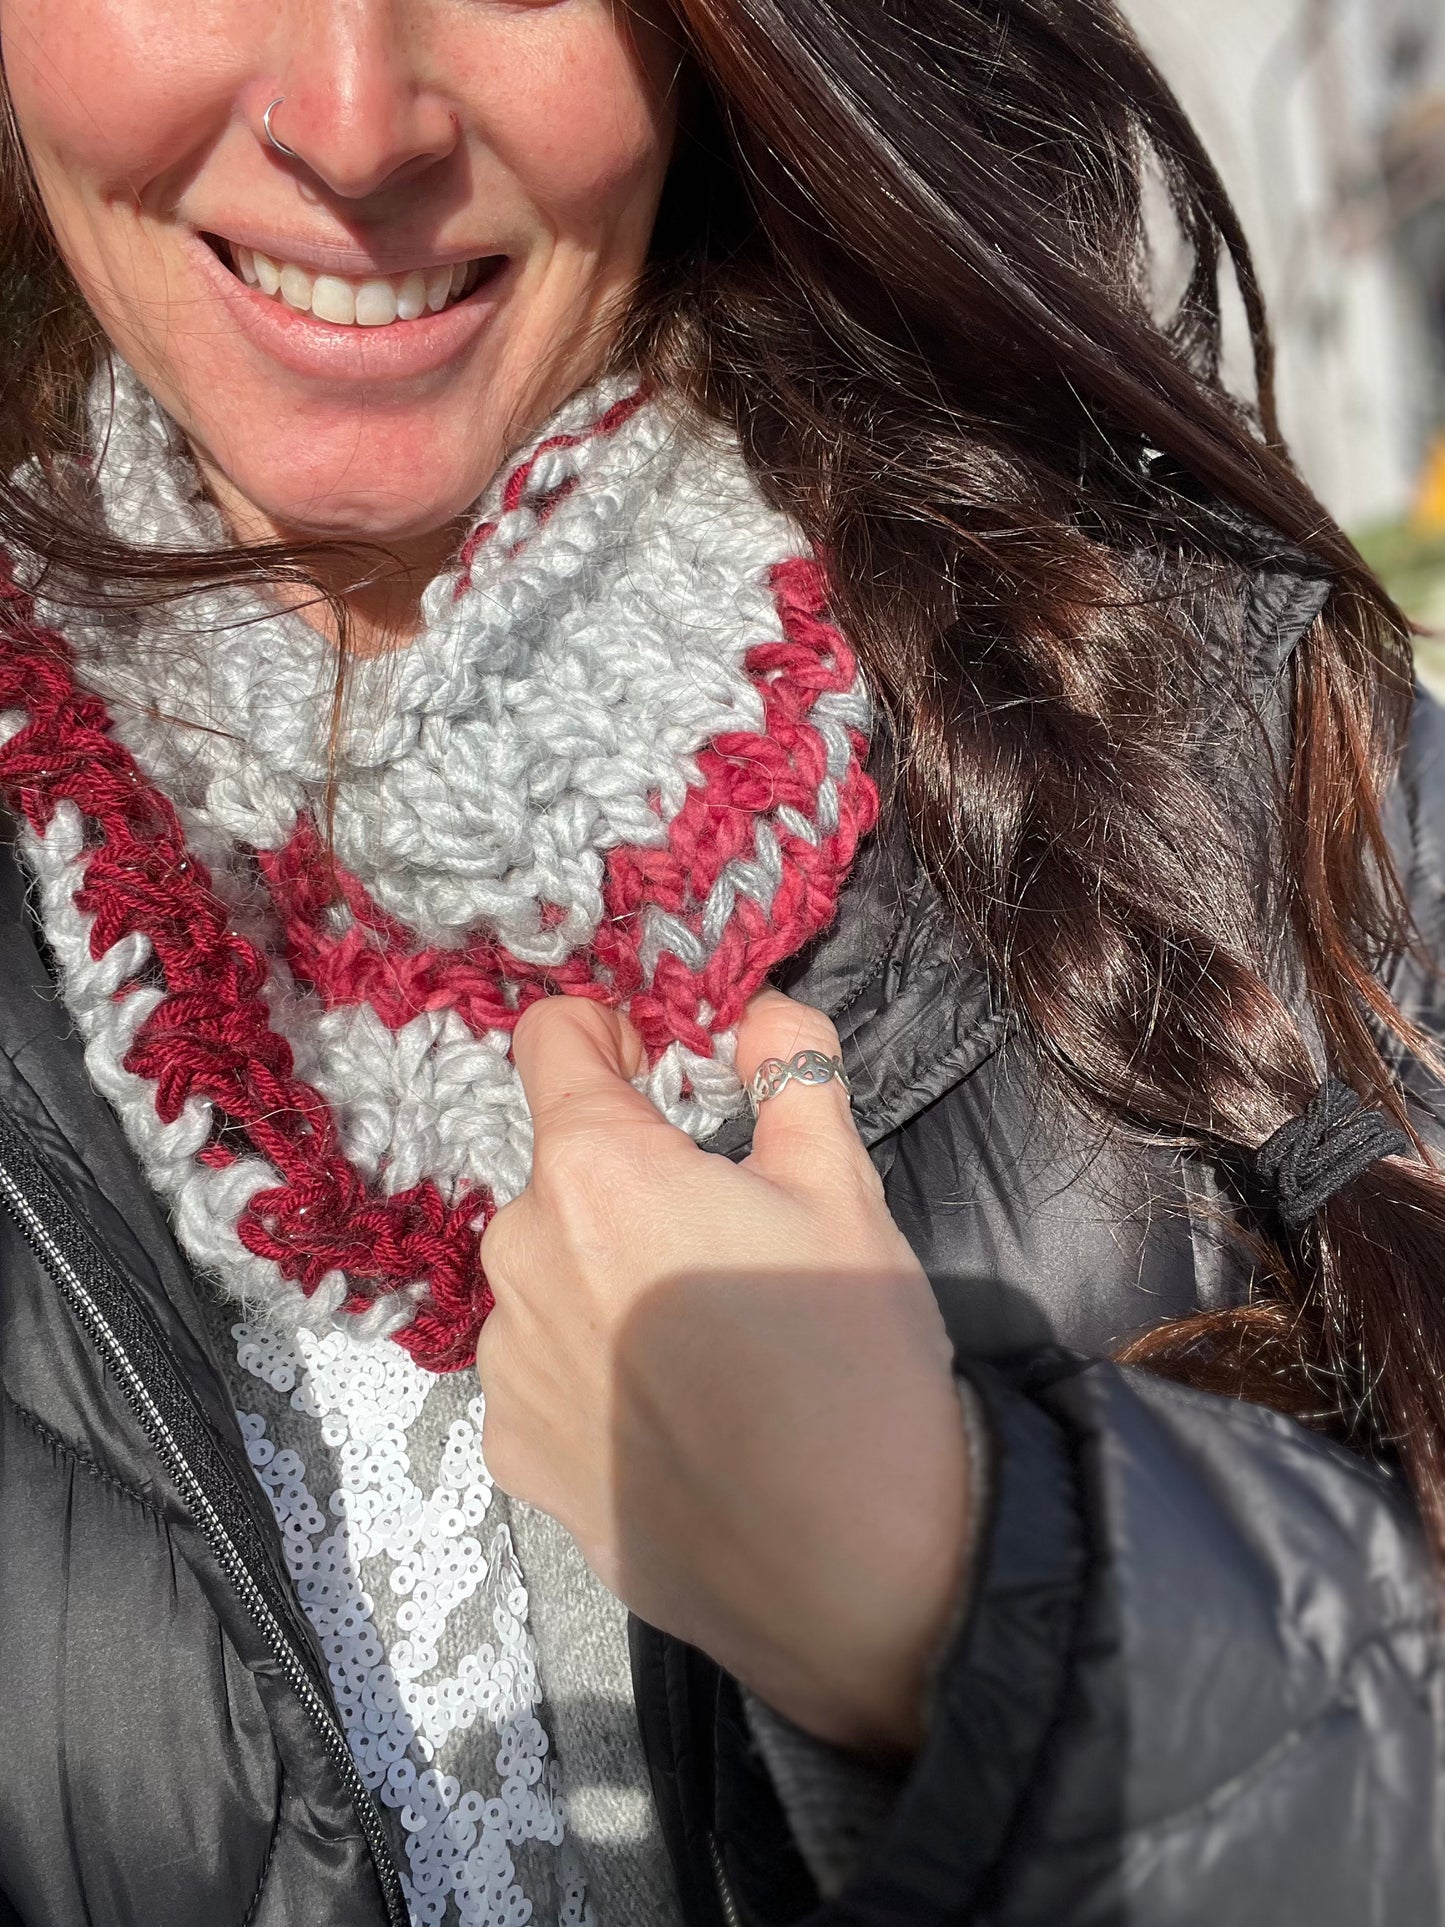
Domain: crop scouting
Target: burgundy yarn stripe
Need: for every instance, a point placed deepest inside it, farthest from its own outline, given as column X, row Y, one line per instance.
column 210, row 1036
column 514, row 489
column 746, row 776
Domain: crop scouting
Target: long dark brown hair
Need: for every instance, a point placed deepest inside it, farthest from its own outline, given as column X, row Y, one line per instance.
column 906, row 249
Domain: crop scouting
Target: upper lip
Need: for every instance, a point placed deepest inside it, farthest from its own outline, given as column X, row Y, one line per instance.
column 345, row 258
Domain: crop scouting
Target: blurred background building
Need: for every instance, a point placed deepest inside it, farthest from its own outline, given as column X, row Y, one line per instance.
column 1327, row 119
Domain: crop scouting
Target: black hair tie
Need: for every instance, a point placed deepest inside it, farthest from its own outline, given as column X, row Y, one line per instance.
column 1333, row 1141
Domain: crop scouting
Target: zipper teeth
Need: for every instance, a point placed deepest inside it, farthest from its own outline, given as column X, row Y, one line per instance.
column 725, row 1894
column 153, row 1420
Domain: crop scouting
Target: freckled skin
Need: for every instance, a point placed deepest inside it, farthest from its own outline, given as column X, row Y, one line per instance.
column 540, row 130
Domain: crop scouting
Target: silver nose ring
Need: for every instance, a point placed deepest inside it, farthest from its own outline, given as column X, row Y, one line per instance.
column 280, row 146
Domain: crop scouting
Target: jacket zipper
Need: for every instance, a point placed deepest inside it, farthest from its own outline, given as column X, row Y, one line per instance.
column 52, row 1255
column 727, row 1899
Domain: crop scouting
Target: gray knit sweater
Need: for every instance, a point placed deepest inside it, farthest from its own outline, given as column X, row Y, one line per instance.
column 532, row 1785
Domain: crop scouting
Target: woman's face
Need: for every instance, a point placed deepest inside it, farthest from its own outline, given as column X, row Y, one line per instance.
column 473, row 195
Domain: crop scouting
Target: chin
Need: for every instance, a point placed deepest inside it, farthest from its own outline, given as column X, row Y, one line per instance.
column 389, row 475
column 358, row 500
column 365, row 518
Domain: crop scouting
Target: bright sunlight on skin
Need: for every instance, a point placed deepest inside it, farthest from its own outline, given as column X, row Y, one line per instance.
column 523, row 146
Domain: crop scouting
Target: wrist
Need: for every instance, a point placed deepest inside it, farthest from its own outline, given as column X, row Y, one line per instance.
column 864, row 1679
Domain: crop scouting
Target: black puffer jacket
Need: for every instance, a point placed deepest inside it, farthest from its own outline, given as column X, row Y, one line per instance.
column 1195, row 1682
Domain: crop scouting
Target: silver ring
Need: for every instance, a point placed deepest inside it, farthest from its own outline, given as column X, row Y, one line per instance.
column 803, row 1067
column 280, row 146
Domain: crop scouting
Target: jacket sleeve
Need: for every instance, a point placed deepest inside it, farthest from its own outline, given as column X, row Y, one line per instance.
column 1194, row 1682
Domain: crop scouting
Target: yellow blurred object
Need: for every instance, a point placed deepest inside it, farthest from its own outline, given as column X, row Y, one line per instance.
column 1428, row 514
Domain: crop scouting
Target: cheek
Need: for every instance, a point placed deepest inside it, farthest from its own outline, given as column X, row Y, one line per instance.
column 114, row 95
column 115, row 100
column 582, row 127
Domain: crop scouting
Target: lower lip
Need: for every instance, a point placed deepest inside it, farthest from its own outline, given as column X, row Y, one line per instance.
column 401, row 351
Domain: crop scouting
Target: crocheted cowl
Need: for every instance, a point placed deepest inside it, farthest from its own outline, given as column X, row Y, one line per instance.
column 622, row 760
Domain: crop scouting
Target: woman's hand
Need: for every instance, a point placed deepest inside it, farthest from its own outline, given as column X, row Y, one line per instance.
column 730, row 1382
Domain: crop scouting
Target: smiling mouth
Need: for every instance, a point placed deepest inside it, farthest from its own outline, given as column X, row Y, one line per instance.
column 377, row 301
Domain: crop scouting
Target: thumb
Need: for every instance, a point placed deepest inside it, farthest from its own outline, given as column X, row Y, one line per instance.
column 805, row 1132
column 576, row 1060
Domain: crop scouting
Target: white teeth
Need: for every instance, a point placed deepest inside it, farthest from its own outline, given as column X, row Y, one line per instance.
column 297, row 287
column 332, row 299
column 411, row 298
column 373, row 303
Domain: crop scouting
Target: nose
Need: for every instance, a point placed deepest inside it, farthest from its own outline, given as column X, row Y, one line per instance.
column 357, row 109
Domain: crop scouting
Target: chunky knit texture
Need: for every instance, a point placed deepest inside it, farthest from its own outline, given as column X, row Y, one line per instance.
column 623, row 760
